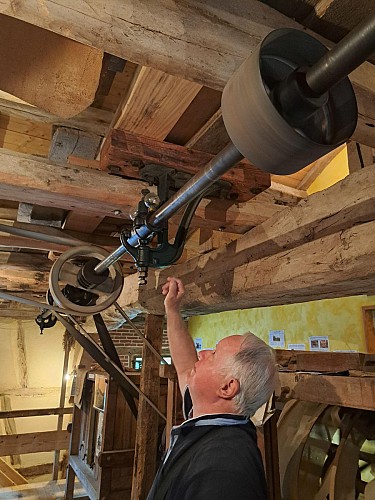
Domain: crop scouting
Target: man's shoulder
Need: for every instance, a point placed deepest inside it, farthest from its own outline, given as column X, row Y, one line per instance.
column 237, row 441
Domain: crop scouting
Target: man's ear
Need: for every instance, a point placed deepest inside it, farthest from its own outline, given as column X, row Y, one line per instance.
column 229, row 388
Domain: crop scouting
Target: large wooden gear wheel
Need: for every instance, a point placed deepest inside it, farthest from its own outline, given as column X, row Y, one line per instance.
column 326, row 452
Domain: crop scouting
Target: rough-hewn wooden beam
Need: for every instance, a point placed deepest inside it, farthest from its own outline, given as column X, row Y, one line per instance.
column 322, row 248
column 91, row 192
column 124, row 150
column 47, row 69
column 353, row 392
column 26, row 178
column 200, row 41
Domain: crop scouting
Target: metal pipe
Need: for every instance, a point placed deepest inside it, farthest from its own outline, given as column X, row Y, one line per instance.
column 214, row 169
column 354, row 49
column 25, row 233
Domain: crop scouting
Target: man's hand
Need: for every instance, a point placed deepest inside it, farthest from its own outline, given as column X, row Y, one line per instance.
column 173, row 290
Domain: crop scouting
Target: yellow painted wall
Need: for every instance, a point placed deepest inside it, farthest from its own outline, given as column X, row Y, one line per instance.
column 337, row 170
column 339, row 319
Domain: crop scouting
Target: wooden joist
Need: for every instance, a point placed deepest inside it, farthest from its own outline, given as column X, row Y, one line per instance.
column 187, row 43
column 325, row 361
column 36, row 412
column 26, row 178
column 322, row 248
column 353, row 392
column 91, row 192
column 34, row 442
column 127, row 151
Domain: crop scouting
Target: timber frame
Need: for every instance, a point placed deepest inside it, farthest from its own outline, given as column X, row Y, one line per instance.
column 267, row 244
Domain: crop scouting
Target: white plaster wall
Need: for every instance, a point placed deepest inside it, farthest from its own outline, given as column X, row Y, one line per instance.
column 44, row 356
column 8, row 367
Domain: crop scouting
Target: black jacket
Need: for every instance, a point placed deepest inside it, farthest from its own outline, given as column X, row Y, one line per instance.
column 213, row 457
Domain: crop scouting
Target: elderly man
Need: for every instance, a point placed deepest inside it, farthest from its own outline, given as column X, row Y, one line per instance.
column 213, row 454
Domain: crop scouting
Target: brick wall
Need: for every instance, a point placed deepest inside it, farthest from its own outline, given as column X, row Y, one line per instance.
column 129, row 344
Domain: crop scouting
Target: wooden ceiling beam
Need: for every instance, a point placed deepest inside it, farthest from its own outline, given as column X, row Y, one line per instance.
column 202, row 42
column 46, row 69
column 27, row 179
column 322, row 248
column 125, row 150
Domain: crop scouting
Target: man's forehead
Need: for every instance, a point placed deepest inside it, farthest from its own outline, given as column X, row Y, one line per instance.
column 231, row 341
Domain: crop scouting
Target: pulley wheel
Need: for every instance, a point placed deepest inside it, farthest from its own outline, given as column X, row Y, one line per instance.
column 252, row 119
column 64, row 275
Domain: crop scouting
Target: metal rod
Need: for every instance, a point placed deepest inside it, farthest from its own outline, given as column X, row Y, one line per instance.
column 214, row 169
column 26, row 233
column 354, row 49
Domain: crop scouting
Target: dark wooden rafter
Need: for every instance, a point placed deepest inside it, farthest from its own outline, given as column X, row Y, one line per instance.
column 124, row 153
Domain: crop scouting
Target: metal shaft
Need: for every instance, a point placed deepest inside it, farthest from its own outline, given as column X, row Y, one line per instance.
column 214, row 169
column 354, row 49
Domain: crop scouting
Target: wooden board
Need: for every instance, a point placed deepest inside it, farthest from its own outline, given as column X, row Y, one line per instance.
column 48, row 70
column 155, row 103
column 34, row 442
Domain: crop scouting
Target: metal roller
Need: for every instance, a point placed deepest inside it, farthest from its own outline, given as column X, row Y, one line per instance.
column 272, row 116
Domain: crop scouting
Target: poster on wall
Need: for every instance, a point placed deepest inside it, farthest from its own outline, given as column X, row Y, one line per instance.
column 297, row 347
column 319, row 343
column 277, row 338
column 198, row 344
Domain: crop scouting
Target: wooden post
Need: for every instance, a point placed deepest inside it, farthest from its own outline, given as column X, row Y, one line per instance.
column 271, row 457
column 147, row 423
column 74, row 450
column 60, row 419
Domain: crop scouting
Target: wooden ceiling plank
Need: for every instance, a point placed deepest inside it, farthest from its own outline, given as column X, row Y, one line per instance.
column 156, row 102
column 188, row 43
column 212, row 137
column 23, row 126
column 22, row 143
column 310, row 251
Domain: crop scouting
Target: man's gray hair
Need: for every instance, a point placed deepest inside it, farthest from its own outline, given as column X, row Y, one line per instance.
column 255, row 369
